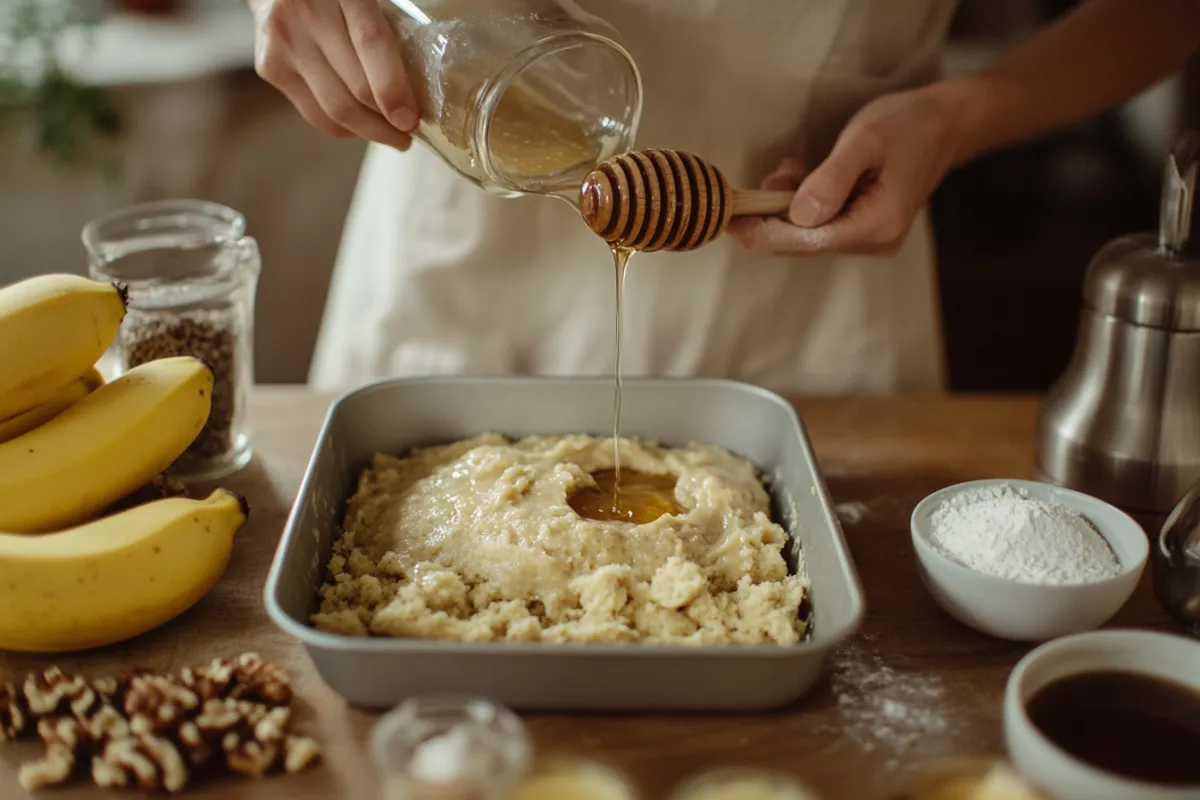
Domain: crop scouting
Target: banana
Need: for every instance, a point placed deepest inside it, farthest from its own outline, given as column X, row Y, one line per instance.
column 53, row 328
column 104, row 447
column 115, row 577
column 75, row 391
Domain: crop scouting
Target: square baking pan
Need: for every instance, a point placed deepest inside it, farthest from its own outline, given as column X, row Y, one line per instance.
column 392, row 416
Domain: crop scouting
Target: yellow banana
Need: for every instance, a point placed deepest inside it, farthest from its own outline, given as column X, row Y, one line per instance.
column 53, row 328
column 110, row 443
column 75, row 391
column 115, row 577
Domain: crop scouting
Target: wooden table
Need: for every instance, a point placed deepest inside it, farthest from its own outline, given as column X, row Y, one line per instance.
column 914, row 686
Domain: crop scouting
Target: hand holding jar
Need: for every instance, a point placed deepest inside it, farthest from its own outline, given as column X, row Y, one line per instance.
column 518, row 96
column 338, row 62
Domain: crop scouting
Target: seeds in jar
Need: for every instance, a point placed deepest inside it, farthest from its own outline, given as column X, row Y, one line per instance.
column 213, row 340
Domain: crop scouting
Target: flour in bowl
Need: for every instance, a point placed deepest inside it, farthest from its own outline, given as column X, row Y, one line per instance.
column 1002, row 531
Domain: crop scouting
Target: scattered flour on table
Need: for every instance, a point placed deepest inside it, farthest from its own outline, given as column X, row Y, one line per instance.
column 878, row 509
column 853, row 512
column 884, row 707
column 1002, row 531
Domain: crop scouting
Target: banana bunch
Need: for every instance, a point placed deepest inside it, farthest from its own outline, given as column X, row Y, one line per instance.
column 74, row 575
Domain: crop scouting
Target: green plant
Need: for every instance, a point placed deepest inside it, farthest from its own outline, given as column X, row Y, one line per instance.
column 67, row 119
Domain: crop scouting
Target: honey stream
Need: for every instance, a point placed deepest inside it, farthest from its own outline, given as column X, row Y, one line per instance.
column 621, row 258
column 625, row 496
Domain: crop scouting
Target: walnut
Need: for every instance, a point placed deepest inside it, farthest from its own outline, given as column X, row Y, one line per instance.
column 261, row 680
column 52, row 692
column 54, row 768
column 252, row 736
column 64, row 738
column 63, row 731
column 106, row 686
column 299, row 753
column 273, row 725
column 14, row 712
column 247, row 756
column 149, row 763
column 210, row 682
column 68, row 741
column 194, row 744
column 218, row 717
column 247, row 677
column 149, row 731
column 107, row 723
column 158, row 701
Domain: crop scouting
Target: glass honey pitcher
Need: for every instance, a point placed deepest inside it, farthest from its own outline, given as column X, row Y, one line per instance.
column 518, row 96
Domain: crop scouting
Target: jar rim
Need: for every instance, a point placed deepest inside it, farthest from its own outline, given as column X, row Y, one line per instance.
column 114, row 242
column 137, row 215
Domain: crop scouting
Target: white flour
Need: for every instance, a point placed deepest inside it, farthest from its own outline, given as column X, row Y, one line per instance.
column 1002, row 531
column 883, row 707
column 852, row 513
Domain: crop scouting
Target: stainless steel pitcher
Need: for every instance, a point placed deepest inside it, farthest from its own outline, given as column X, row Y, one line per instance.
column 1123, row 421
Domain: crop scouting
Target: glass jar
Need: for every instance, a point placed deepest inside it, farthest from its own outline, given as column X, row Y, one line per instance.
column 519, row 96
column 449, row 747
column 192, row 274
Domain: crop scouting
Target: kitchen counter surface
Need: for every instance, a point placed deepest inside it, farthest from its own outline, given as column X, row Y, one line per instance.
column 914, row 685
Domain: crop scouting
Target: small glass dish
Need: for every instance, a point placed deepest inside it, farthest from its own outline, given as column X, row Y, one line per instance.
column 449, row 747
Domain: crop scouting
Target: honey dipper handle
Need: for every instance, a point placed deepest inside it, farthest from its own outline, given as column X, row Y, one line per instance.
column 756, row 202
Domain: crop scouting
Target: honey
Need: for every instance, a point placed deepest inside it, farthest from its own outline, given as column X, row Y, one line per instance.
column 620, row 262
column 530, row 139
column 641, row 498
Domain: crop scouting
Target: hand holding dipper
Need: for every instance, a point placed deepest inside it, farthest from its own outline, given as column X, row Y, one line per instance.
column 666, row 200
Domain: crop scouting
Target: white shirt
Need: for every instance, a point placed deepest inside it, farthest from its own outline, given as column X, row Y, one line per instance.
column 435, row 276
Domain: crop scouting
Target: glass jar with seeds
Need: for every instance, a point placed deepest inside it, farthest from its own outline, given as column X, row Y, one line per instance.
column 192, row 274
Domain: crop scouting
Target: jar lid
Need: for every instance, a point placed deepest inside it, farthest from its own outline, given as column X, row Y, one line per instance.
column 1155, row 280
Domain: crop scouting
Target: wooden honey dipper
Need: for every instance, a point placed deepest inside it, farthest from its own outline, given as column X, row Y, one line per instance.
column 666, row 200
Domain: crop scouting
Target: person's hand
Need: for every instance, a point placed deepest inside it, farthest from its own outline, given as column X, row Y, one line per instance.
column 339, row 64
column 864, row 196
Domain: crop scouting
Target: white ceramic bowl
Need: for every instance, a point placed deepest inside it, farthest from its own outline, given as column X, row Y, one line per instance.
column 1024, row 612
column 1042, row 762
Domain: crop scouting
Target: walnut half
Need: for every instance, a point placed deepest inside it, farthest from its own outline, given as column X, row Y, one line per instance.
column 149, row 763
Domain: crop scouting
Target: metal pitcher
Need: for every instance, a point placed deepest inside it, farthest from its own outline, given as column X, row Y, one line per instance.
column 1123, row 421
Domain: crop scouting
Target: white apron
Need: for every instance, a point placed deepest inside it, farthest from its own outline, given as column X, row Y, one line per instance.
column 435, row 276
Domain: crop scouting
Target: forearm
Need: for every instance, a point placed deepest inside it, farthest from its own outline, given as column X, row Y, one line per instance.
column 1094, row 58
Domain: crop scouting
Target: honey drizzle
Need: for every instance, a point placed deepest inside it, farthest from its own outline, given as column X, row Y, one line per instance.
column 620, row 262
column 645, row 498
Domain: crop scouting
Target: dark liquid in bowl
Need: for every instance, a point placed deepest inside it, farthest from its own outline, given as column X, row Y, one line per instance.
column 1137, row 726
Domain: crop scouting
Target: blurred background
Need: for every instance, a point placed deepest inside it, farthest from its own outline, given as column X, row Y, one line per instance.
column 159, row 99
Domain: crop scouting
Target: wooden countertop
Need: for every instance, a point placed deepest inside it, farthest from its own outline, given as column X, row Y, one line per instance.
column 914, row 686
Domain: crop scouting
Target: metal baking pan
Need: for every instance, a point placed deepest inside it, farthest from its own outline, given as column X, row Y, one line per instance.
column 394, row 415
